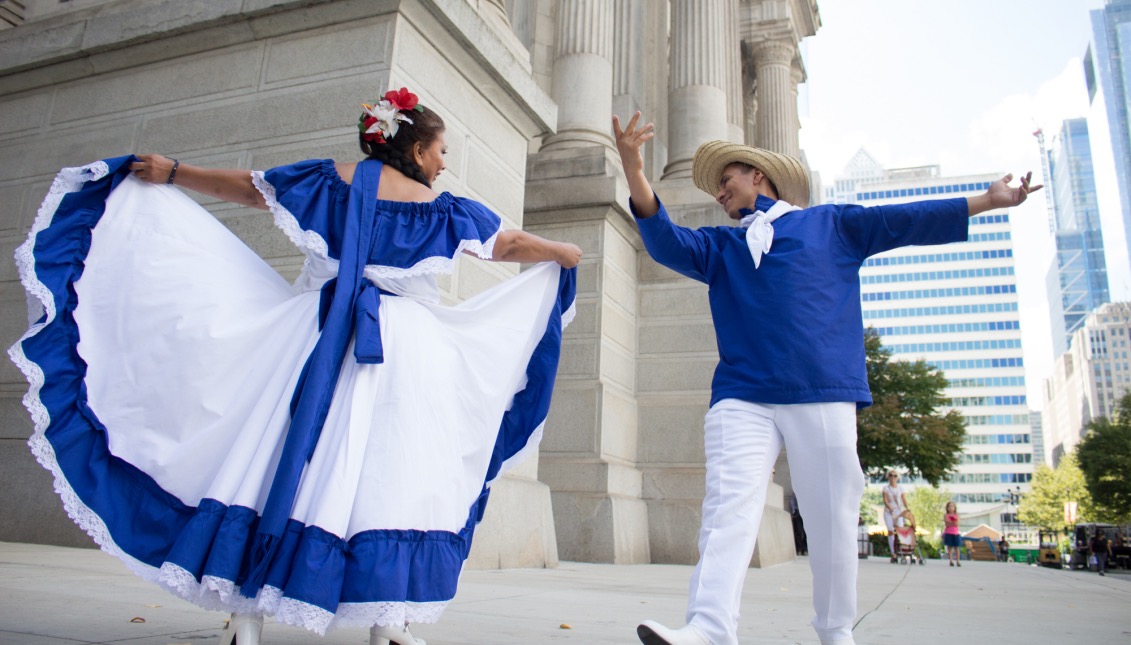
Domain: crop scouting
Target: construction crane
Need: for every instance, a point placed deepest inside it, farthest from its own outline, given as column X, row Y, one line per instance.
column 1050, row 200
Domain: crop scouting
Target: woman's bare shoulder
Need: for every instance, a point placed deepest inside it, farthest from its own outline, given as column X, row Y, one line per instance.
column 345, row 170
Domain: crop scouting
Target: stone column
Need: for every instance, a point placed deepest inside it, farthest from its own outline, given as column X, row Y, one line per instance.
column 749, row 101
column 583, row 74
column 697, row 99
column 575, row 191
column 736, row 113
column 796, row 78
column 777, row 107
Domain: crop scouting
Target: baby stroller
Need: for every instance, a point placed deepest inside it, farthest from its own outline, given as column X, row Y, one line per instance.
column 906, row 543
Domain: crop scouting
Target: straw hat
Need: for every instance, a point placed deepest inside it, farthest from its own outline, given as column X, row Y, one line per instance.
column 788, row 176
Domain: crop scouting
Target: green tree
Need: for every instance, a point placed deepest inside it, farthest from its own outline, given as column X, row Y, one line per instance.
column 929, row 505
column 871, row 500
column 1043, row 505
column 1105, row 459
column 903, row 428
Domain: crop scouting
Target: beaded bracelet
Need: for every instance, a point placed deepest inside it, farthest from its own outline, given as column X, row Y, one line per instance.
column 173, row 172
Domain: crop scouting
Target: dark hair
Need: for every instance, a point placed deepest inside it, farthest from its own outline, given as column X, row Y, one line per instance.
column 425, row 128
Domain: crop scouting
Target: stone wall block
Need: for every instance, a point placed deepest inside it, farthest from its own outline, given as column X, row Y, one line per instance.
column 620, row 251
column 265, row 118
column 341, row 148
column 331, row 51
column 22, row 48
column 20, row 114
column 675, row 374
column 691, row 336
column 588, row 273
column 475, row 276
column 620, row 290
column 650, row 271
column 673, row 530
column 687, row 298
column 144, row 20
column 15, row 421
column 617, row 366
column 619, row 440
column 601, row 528
column 578, row 476
column 619, row 327
column 14, row 197
column 29, row 485
column 671, row 434
column 674, row 483
column 496, row 186
column 625, row 480
column 147, row 88
column 419, row 60
column 517, row 529
column 579, row 357
column 49, row 152
column 310, row 14
column 585, row 319
column 572, row 422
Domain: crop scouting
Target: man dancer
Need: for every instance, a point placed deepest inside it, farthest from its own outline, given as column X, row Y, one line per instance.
column 791, row 360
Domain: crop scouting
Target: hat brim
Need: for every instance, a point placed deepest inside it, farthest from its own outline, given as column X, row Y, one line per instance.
column 789, row 177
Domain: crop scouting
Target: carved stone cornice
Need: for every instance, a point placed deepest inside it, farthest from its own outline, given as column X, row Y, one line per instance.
column 777, row 19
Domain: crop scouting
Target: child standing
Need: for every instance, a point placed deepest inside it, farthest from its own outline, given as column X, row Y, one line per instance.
column 952, row 539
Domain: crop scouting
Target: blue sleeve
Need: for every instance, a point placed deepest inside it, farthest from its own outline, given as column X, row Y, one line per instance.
column 317, row 197
column 681, row 249
column 471, row 221
column 409, row 233
column 871, row 230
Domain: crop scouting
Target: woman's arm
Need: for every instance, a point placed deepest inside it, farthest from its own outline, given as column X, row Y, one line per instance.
column 229, row 185
column 520, row 246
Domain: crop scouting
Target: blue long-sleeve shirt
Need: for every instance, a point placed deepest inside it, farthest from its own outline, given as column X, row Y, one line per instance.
column 791, row 331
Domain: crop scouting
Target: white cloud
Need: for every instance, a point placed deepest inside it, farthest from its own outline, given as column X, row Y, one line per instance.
column 1001, row 138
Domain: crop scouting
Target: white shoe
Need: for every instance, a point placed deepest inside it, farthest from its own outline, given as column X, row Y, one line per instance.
column 385, row 635
column 242, row 629
column 653, row 633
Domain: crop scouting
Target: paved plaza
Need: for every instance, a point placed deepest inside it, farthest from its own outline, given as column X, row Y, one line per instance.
column 62, row 596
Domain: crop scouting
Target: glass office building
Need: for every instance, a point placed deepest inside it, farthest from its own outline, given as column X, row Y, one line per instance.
column 1077, row 282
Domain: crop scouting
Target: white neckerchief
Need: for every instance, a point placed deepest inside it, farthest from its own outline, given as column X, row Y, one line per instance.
column 759, row 232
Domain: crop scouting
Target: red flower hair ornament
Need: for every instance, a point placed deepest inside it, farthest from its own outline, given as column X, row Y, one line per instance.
column 379, row 123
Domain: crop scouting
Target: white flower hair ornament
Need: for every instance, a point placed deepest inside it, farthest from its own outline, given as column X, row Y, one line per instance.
column 379, row 123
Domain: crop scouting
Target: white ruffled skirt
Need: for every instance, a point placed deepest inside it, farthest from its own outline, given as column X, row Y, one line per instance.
column 164, row 419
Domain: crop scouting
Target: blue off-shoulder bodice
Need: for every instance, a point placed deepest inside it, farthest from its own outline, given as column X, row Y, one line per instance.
column 412, row 238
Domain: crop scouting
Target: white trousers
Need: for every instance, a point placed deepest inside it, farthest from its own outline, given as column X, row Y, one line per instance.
column 742, row 443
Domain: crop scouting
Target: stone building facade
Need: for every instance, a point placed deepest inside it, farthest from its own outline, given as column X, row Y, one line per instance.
column 527, row 89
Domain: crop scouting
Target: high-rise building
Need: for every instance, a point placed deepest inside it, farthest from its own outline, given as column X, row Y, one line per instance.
column 1077, row 280
column 955, row 306
column 1088, row 380
column 1107, row 72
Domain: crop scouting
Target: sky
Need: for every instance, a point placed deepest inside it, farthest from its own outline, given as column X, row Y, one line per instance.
column 962, row 84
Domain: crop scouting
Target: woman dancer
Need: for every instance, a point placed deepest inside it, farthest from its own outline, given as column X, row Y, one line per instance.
column 321, row 451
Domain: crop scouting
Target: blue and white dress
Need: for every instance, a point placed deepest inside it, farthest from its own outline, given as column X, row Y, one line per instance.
column 319, row 451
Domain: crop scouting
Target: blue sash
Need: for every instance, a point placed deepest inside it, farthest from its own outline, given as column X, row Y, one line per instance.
column 348, row 304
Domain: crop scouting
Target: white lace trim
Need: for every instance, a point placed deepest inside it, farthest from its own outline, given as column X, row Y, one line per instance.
column 568, row 314
column 312, row 243
column 306, row 241
column 389, row 614
column 67, row 181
